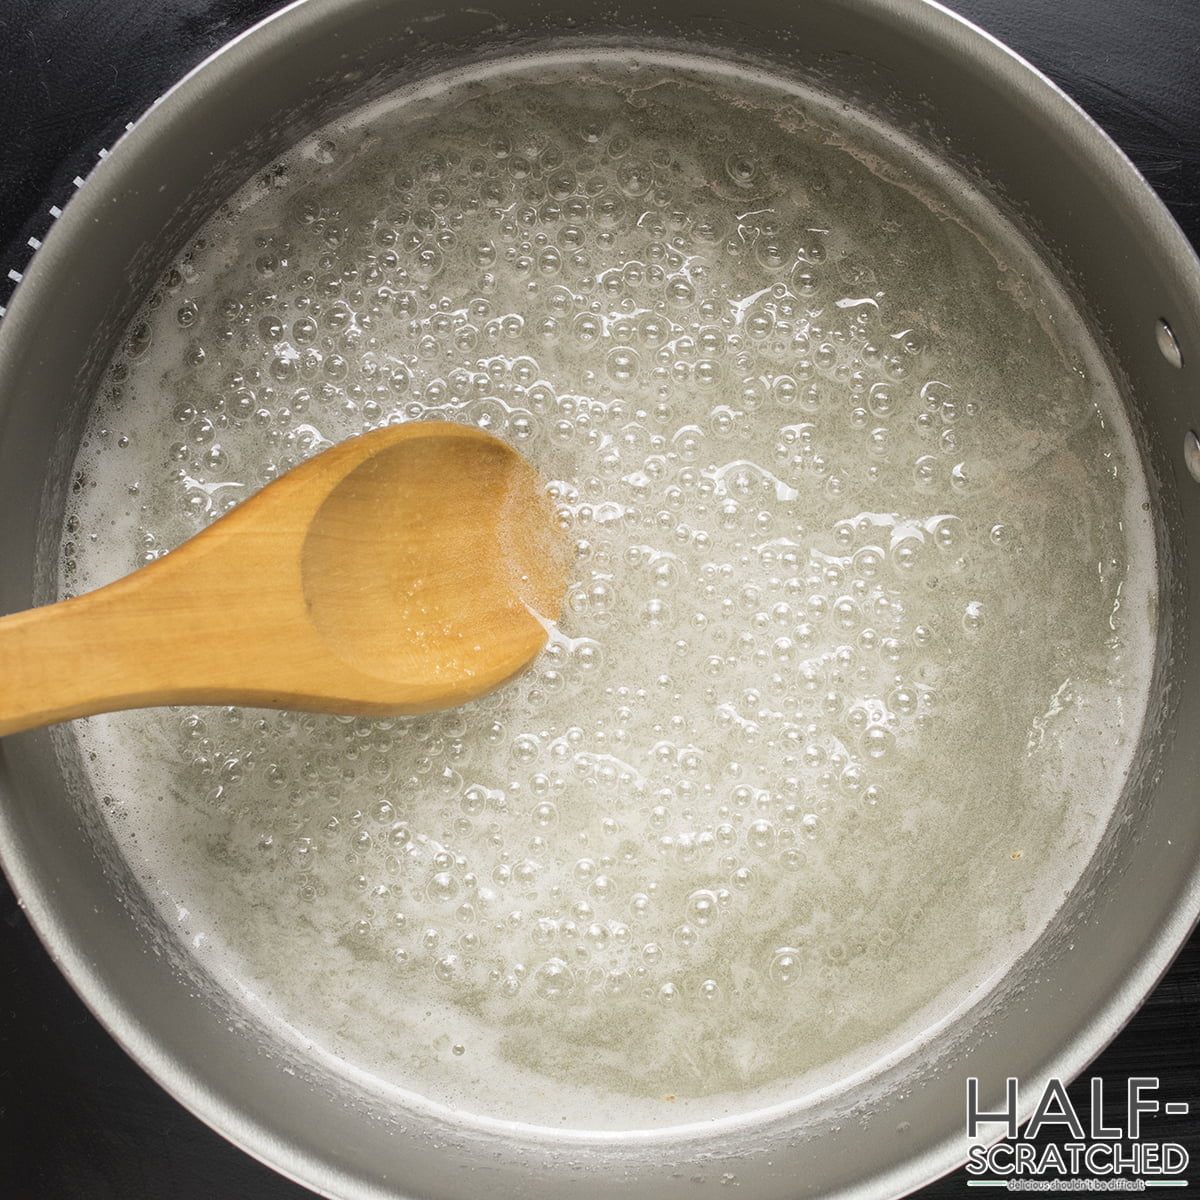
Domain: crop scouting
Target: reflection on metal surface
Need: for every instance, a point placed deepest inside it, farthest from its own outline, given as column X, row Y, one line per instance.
column 1191, row 454
column 1168, row 343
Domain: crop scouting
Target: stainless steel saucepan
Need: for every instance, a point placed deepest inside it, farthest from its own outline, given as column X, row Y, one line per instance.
column 932, row 78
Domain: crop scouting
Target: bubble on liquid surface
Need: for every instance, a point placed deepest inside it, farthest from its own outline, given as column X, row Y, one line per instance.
column 740, row 821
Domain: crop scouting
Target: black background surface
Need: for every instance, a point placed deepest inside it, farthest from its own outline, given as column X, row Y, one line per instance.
column 78, row 1120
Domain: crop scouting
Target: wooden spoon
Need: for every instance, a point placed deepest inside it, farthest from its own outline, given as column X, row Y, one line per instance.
column 413, row 568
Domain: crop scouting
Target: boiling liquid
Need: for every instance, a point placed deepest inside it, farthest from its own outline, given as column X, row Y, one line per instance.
column 859, row 630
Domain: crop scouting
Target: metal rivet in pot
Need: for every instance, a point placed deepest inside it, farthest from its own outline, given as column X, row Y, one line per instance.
column 1191, row 453
column 1168, row 343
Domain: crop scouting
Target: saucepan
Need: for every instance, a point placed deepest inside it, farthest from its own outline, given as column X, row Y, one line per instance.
column 910, row 66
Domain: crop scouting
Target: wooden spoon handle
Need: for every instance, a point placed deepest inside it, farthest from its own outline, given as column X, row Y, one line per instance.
column 158, row 636
column 70, row 660
column 193, row 627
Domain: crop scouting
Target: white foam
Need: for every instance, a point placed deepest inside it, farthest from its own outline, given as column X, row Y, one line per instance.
column 859, row 636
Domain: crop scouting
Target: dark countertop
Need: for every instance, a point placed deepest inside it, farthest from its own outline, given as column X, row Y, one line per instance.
column 78, row 1120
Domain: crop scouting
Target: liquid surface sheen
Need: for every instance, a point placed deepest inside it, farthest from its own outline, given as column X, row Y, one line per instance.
column 858, row 637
